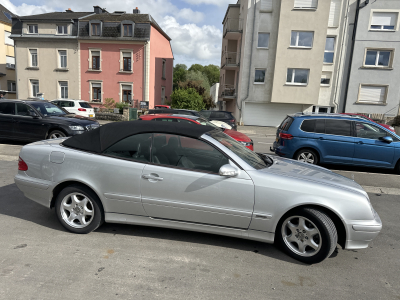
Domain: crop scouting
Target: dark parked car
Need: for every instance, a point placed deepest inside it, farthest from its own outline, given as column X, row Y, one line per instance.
column 34, row 120
column 218, row 115
column 187, row 112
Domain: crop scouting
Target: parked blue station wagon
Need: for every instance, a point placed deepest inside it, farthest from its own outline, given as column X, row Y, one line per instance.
column 337, row 139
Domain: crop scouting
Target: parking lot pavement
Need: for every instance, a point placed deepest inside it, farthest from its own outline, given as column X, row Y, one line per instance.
column 40, row 260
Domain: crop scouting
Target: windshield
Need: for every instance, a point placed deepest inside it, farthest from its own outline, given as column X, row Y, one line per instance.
column 250, row 157
column 48, row 109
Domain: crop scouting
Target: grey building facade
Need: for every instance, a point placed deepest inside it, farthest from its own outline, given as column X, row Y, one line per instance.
column 374, row 81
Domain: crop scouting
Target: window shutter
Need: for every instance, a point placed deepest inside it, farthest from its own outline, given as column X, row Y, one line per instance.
column 126, row 87
column 375, row 94
column 126, row 54
column 96, row 85
column 95, row 53
column 266, row 6
column 383, row 18
column 10, row 60
column 334, row 13
column 7, row 39
column 305, row 3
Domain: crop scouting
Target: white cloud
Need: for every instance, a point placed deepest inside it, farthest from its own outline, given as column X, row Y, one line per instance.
column 211, row 2
column 26, row 9
column 194, row 43
column 190, row 15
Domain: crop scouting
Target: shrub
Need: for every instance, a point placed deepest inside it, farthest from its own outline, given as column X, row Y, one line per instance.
column 187, row 99
column 396, row 121
column 109, row 103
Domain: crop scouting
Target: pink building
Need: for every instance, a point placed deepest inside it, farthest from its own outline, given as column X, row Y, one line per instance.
column 124, row 56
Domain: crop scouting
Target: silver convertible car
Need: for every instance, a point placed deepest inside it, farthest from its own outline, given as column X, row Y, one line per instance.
column 195, row 177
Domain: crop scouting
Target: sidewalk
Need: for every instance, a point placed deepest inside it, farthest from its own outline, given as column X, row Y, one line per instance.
column 258, row 130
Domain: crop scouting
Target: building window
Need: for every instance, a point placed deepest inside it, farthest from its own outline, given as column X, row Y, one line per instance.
column 306, row 4
column 377, row 58
column 63, row 58
column 334, row 13
column 63, row 89
column 263, row 40
column 372, row 94
column 34, row 57
column 384, row 20
column 34, row 88
column 10, row 62
column 127, row 61
column 326, row 78
column 297, row 76
column 126, row 93
column 302, row 39
column 96, row 92
column 259, row 76
column 329, row 50
column 7, row 39
column 95, row 60
column 163, row 68
column 162, row 95
column 266, row 6
column 62, row 29
column 11, row 86
column 96, row 29
column 127, row 29
column 33, row 29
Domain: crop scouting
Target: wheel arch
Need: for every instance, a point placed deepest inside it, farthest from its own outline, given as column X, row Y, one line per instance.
column 336, row 219
column 52, row 128
column 310, row 148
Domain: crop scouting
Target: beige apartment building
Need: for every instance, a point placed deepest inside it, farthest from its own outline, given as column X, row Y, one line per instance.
column 282, row 57
column 47, row 50
column 7, row 59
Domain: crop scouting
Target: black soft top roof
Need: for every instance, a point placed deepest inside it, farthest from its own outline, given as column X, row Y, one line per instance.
column 103, row 137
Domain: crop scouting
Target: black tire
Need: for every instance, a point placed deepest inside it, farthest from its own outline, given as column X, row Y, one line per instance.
column 309, row 154
column 95, row 205
column 56, row 134
column 326, row 239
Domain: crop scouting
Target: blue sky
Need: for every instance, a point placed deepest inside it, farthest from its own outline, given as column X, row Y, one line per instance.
column 194, row 25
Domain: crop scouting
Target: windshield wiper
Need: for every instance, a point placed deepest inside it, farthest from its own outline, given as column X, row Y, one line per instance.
column 268, row 160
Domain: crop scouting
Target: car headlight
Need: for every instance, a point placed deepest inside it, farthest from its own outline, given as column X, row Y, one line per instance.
column 77, row 128
column 246, row 143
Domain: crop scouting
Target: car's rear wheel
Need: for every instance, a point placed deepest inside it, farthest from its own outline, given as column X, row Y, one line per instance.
column 79, row 209
column 307, row 235
column 56, row 134
column 307, row 155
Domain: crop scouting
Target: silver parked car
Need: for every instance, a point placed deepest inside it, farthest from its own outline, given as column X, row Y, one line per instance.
column 192, row 177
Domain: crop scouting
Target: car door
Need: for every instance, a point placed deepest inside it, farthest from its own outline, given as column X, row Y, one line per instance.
column 7, row 110
column 183, row 184
column 27, row 127
column 122, row 166
column 334, row 140
column 369, row 150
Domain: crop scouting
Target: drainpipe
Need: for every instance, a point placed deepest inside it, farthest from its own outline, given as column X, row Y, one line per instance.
column 251, row 58
column 351, row 54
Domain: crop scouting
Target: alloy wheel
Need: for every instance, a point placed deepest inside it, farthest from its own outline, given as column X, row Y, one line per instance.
column 307, row 157
column 301, row 236
column 77, row 210
column 56, row 135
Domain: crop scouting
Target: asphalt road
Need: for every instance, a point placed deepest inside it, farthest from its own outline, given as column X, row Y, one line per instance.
column 40, row 260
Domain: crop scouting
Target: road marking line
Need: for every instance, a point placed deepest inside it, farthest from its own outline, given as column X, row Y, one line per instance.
column 8, row 158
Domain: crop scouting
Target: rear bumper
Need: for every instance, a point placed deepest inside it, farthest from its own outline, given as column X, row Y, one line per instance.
column 361, row 233
column 38, row 190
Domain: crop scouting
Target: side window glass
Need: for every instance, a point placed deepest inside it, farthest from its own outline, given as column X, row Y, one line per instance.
column 71, row 103
column 7, row 108
column 338, row 127
column 135, row 147
column 320, row 125
column 185, row 121
column 368, row 131
column 308, row 125
column 207, row 114
column 187, row 153
column 23, row 109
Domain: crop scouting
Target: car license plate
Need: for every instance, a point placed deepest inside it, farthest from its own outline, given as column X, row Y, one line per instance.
column 277, row 139
column 90, row 116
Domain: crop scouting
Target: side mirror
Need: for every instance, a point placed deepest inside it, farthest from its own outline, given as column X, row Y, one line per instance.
column 228, row 171
column 386, row 139
column 33, row 114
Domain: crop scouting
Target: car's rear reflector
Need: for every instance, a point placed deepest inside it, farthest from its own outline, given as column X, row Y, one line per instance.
column 22, row 166
column 285, row 136
column 81, row 109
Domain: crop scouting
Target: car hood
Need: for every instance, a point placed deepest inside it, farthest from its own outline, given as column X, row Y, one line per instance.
column 386, row 126
column 237, row 135
column 81, row 120
column 304, row 171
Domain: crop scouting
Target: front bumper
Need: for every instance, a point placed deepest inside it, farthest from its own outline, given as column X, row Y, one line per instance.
column 361, row 233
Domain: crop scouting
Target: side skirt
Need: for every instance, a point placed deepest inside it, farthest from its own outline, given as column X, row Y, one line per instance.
column 266, row 237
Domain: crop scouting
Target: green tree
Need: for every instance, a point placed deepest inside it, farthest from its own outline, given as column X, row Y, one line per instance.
column 196, row 67
column 180, row 66
column 212, row 73
column 187, row 99
column 180, row 72
column 199, row 77
column 207, row 100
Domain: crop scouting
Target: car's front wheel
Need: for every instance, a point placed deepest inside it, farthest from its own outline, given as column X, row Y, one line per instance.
column 307, row 235
column 56, row 134
column 79, row 209
column 307, row 155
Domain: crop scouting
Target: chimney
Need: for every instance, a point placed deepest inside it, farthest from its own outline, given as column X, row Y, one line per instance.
column 68, row 10
column 136, row 11
column 97, row 9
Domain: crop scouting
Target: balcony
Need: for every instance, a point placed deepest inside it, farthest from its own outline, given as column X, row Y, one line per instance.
column 233, row 28
column 230, row 60
column 228, row 91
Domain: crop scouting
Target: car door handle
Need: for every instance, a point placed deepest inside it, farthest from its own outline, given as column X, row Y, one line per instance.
column 152, row 177
column 321, row 138
column 360, row 142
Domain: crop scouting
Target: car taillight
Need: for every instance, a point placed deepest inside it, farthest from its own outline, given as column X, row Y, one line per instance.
column 232, row 121
column 22, row 166
column 81, row 109
column 285, row 136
